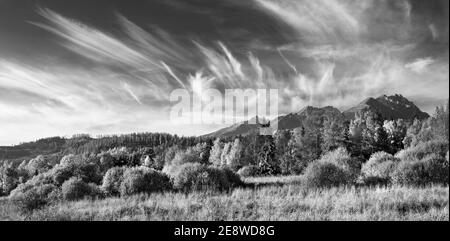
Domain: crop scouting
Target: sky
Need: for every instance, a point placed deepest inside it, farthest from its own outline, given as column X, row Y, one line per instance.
column 108, row 66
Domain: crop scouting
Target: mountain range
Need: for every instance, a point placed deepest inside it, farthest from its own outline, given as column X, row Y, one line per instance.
column 388, row 107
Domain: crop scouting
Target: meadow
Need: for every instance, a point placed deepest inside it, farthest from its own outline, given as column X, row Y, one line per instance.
column 267, row 198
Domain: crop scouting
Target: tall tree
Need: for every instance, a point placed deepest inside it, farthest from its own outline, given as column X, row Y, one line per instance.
column 216, row 152
column 334, row 134
column 267, row 161
column 233, row 160
column 9, row 178
column 396, row 131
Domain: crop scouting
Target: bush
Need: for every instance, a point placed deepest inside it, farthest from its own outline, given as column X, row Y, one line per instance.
column 38, row 165
column 342, row 158
column 76, row 189
column 379, row 168
column 35, row 197
column 89, row 172
column 422, row 150
column 9, row 178
column 233, row 178
column 61, row 173
column 437, row 169
column 38, row 180
column 143, row 180
column 323, row 173
column 433, row 169
column 107, row 161
column 249, row 171
column 188, row 156
column 70, row 166
column 196, row 177
column 112, row 180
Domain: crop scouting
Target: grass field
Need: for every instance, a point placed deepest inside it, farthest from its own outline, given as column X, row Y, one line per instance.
column 274, row 199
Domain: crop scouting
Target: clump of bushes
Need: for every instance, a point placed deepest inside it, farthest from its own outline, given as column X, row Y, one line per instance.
column 196, row 177
column 323, row 173
column 233, row 178
column 36, row 193
column 112, row 180
column 183, row 157
column 38, row 165
column 342, row 158
column 130, row 181
column 424, row 149
column 70, row 166
column 249, row 171
column 38, row 180
column 76, row 189
column 35, row 197
column 335, row 168
column 378, row 170
column 432, row 169
column 143, row 180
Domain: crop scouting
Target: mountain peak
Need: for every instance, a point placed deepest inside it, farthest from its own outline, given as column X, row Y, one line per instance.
column 257, row 120
column 308, row 110
column 389, row 107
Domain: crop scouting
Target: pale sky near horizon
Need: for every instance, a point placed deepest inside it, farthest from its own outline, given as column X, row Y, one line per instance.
column 109, row 66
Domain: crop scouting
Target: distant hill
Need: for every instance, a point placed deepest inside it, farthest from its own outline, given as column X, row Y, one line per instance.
column 78, row 144
column 389, row 107
column 30, row 150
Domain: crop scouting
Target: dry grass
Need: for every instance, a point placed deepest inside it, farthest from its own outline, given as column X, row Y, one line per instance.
column 277, row 199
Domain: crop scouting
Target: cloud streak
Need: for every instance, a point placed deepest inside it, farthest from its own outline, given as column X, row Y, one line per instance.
column 342, row 52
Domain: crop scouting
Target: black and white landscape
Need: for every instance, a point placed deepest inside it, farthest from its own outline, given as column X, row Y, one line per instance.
column 224, row 110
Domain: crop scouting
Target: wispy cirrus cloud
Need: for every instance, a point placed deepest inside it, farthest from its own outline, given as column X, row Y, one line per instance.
column 420, row 65
column 340, row 52
column 316, row 21
column 354, row 49
column 128, row 86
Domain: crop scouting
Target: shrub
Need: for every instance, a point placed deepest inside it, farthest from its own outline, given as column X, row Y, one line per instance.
column 9, row 178
column 171, row 170
column 188, row 156
column 424, row 149
column 61, row 173
column 196, row 177
column 35, row 197
column 433, row 169
column 249, row 171
column 379, row 168
column 143, row 180
column 323, row 173
column 112, row 180
column 341, row 158
column 89, row 172
column 76, row 189
column 233, row 178
column 87, row 169
column 107, row 161
column 38, row 165
column 38, row 180
column 437, row 168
